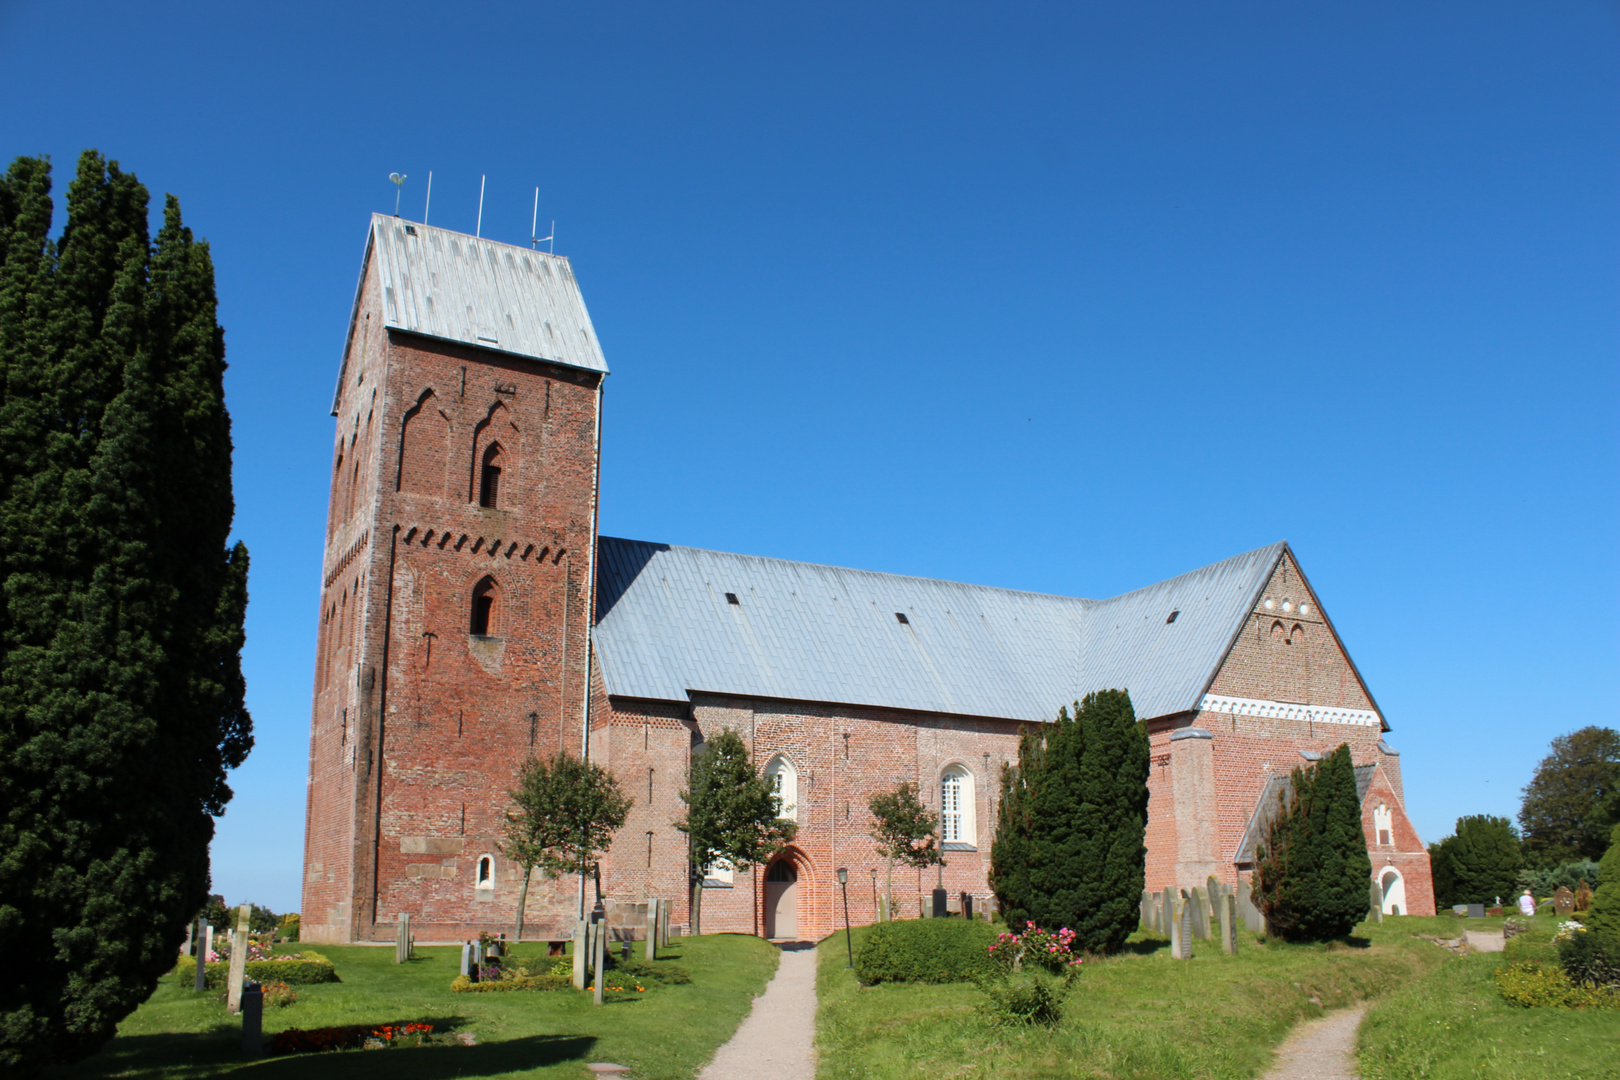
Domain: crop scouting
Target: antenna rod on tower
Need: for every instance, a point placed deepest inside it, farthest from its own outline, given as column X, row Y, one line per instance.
column 478, row 230
column 429, row 197
column 534, row 233
column 553, row 238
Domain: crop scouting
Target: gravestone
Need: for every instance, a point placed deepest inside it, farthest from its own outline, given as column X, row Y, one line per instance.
column 206, row 950
column 191, row 928
column 1167, row 911
column 1216, row 891
column 1253, row 920
column 1375, row 902
column 1477, row 911
column 1184, row 927
column 599, row 960
column 1228, row 924
column 581, row 930
column 233, row 992
column 466, row 959
column 402, row 935
column 252, row 1021
column 938, row 907
column 1145, row 911
column 1563, row 901
column 663, row 926
column 1583, row 897
column 1198, row 913
column 967, row 906
column 652, row 928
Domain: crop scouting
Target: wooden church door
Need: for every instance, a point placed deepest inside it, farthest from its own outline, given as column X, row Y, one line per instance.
column 782, row 900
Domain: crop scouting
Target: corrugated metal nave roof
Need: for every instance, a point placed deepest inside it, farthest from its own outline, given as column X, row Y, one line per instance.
column 449, row 285
column 801, row 631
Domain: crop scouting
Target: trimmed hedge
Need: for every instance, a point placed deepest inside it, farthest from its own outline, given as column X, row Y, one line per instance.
column 926, row 951
column 313, row 968
column 463, row 985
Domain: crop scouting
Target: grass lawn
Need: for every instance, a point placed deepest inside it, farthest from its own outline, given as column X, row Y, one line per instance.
column 1137, row 1015
column 1452, row 1023
column 669, row 1032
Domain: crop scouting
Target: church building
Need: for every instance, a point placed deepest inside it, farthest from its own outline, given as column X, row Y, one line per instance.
column 471, row 616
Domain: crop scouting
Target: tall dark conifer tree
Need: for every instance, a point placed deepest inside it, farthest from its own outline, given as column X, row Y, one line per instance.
column 1313, row 870
column 1070, row 849
column 121, row 693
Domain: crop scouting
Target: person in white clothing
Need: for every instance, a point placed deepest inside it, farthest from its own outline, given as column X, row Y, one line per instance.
column 1527, row 904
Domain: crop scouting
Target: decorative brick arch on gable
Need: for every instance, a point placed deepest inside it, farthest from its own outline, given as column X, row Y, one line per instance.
column 424, row 448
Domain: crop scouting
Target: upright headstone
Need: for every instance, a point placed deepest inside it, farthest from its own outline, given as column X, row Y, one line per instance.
column 1156, row 913
column 1167, row 910
column 1477, row 911
column 652, row 929
column 1180, row 929
column 1253, row 920
column 1563, row 903
column 191, row 929
column 581, row 937
column 663, row 921
column 1228, row 923
column 252, row 1021
column 1147, row 910
column 1198, row 912
column 599, row 956
column 233, row 991
column 204, row 952
column 466, row 959
column 1217, row 889
column 1375, row 902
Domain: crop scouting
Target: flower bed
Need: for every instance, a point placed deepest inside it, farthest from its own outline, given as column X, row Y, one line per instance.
column 353, row 1037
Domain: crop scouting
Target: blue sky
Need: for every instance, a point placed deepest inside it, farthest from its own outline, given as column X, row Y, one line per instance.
column 1069, row 298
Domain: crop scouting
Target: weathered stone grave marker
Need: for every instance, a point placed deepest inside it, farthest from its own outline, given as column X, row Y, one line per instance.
column 582, row 936
column 1375, row 902
column 1228, row 924
column 402, row 939
column 233, row 992
column 466, row 959
column 1167, row 911
column 252, row 1020
column 1477, row 911
column 1147, row 910
column 1253, row 920
column 1563, row 902
column 599, row 959
column 206, row 949
column 652, row 928
column 1198, row 912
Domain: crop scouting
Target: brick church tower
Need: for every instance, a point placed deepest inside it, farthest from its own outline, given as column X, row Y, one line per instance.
column 457, row 581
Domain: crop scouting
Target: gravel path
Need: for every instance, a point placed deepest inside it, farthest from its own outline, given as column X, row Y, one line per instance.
column 1322, row 1049
column 777, row 1038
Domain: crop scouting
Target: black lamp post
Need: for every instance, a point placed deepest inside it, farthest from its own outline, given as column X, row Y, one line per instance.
column 843, row 881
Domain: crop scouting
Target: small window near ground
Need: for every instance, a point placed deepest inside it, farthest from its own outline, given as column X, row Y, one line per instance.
column 486, row 872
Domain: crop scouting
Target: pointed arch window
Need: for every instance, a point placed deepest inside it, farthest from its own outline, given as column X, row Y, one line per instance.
column 485, row 619
column 489, row 477
column 785, row 778
column 956, row 824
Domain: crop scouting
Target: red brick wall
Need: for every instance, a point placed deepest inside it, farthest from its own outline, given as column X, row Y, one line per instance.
column 411, row 756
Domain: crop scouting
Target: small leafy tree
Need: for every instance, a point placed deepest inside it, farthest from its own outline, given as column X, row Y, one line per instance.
column 1312, row 872
column 731, row 812
column 1477, row 863
column 906, row 831
column 563, row 816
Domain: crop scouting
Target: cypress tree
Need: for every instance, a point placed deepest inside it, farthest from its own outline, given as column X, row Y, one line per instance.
column 1313, row 869
column 1071, row 846
column 121, row 694
column 1482, row 860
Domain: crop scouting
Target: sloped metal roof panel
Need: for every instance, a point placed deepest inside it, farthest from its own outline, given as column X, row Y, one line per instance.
column 483, row 293
column 802, row 631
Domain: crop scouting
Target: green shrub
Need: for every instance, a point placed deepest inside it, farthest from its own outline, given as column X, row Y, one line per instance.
column 278, row 995
column 549, row 981
column 1031, row 997
column 652, row 973
column 289, row 926
column 312, row 968
column 1533, row 986
column 926, row 951
column 1591, row 959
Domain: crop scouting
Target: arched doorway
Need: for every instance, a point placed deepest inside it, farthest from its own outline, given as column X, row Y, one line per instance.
column 1394, row 890
column 782, row 900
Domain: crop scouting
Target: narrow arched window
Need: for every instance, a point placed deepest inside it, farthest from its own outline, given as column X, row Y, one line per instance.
column 956, row 806
column 486, row 872
column 489, row 478
column 485, row 616
column 785, row 779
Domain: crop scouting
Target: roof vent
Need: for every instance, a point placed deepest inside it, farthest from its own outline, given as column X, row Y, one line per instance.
column 901, row 617
column 1172, row 617
column 410, row 230
column 731, row 598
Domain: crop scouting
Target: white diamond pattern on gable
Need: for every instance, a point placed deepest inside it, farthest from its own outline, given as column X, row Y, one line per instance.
column 1287, row 710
